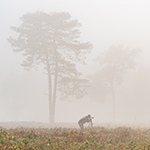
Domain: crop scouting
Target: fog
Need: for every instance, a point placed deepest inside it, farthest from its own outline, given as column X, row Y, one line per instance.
column 24, row 95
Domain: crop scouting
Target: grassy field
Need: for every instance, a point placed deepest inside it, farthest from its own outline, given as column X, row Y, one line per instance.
column 96, row 138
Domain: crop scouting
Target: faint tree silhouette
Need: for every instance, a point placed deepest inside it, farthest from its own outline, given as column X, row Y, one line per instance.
column 114, row 63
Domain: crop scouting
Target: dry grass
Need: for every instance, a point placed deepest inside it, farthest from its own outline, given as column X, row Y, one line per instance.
column 72, row 139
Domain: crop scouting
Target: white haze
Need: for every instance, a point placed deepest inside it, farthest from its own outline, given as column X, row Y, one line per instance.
column 23, row 95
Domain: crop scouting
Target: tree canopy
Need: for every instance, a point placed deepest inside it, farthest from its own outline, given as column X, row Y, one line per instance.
column 116, row 61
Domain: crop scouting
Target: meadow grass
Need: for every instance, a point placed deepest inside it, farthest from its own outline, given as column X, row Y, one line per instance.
column 96, row 138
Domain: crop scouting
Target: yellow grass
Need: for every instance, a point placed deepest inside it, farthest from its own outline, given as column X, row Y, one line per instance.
column 96, row 138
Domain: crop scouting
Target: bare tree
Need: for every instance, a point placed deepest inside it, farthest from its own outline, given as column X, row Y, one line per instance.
column 52, row 40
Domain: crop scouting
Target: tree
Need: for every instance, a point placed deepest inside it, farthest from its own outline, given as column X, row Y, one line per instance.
column 114, row 63
column 52, row 40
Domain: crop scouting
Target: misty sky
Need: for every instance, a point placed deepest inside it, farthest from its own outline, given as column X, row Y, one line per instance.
column 104, row 22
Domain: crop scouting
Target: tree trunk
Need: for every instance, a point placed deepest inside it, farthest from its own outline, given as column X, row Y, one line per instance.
column 113, row 101
column 51, row 121
column 52, row 86
column 54, row 95
column 55, row 80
